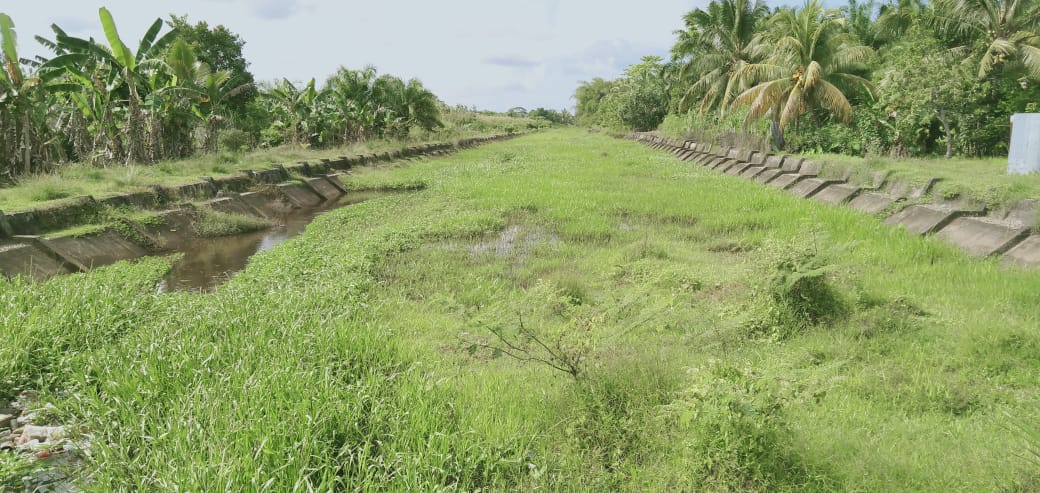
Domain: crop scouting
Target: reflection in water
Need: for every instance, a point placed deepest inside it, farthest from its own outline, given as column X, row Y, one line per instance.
column 209, row 262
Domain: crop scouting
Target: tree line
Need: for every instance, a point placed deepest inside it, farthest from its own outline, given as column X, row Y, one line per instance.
column 901, row 77
column 181, row 90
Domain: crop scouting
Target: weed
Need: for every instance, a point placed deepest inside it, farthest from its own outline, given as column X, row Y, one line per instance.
column 210, row 223
column 550, row 329
column 14, row 469
column 798, row 294
column 732, row 433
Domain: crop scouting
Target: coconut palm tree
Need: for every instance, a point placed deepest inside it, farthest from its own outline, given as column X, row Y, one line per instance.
column 810, row 61
column 715, row 46
column 896, row 17
column 1010, row 29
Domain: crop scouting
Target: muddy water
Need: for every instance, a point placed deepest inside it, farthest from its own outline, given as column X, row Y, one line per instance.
column 210, row 262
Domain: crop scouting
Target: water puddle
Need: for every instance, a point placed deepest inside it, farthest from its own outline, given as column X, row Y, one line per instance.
column 210, row 262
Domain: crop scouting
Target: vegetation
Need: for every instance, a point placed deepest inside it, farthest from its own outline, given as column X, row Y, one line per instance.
column 182, row 91
column 902, row 78
column 731, row 337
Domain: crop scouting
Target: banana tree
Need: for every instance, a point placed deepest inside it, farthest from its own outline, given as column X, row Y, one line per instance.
column 132, row 70
column 296, row 109
column 24, row 100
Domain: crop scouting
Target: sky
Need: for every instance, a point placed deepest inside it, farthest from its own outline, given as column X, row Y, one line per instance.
column 488, row 54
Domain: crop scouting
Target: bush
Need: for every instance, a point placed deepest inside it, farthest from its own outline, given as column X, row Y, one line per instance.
column 797, row 293
column 234, row 140
column 868, row 133
column 724, row 130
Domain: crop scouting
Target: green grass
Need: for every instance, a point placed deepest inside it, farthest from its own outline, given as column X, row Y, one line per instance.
column 732, row 337
column 984, row 180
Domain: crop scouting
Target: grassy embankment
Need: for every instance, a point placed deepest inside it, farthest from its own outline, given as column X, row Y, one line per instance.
column 731, row 337
column 77, row 179
column 984, row 180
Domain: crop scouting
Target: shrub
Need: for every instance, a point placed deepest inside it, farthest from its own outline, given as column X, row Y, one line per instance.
column 234, row 140
column 796, row 294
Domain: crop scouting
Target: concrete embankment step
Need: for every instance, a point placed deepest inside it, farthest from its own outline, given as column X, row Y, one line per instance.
column 926, row 218
column 26, row 251
column 960, row 223
column 1025, row 254
column 983, row 236
column 31, row 260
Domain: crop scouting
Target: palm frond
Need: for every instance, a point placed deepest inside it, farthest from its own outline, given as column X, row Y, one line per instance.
column 831, row 98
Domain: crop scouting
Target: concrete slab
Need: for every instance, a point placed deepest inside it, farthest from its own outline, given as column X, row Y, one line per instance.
column 757, row 158
column 1024, row 212
column 90, row 252
column 811, row 168
column 269, row 204
column 837, row 193
column 29, row 260
column 752, row 171
column 723, row 163
column 982, row 236
column 198, row 190
column 768, row 175
column 5, row 228
column 233, row 205
column 738, row 169
column 271, row 176
column 924, row 219
column 920, row 190
column 300, row 195
column 774, row 161
column 786, row 180
column 872, row 202
column 68, row 213
column 705, row 159
column 809, row 187
column 340, row 163
column 140, row 200
column 1024, row 254
column 174, row 229
column 323, row 188
column 792, row 164
column 334, row 179
column 688, row 155
column 877, row 180
column 239, row 183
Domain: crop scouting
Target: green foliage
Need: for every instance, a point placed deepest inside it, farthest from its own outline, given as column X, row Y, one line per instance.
column 637, row 101
column 14, row 468
column 341, row 345
column 234, row 140
column 221, row 50
column 867, row 134
column 948, row 75
column 799, row 293
column 715, row 49
column 733, row 434
column 726, row 129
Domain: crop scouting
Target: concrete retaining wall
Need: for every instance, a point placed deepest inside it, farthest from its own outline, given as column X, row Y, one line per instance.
column 960, row 223
column 23, row 252
column 84, row 210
